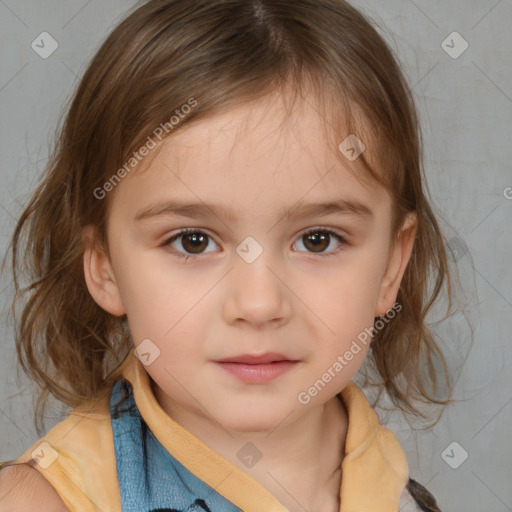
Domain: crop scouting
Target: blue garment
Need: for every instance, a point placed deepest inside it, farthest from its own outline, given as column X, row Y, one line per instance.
column 150, row 478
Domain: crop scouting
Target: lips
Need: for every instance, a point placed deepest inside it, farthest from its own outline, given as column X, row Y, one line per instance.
column 257, row 369
column 269, row 357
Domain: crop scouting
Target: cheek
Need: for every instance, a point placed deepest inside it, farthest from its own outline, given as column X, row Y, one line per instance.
column 178, row 344
column 166, row 308
column 347, row 296
column 174, row 322
column 342, row 317
column 157, row 296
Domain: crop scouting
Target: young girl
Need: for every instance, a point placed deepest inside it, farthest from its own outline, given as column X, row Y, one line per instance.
column 233, row 220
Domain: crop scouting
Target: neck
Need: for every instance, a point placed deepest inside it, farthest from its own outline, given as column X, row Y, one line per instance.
column 300, row 461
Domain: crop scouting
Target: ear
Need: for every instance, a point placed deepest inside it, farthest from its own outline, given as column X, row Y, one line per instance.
column 99, row 274
column 400, row 254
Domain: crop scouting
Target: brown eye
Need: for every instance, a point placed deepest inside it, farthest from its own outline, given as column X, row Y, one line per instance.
column 194, row 242
column 318, row 241
column 189, row 242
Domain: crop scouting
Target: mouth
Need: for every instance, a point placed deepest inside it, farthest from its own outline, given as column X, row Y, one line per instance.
column 257, row 369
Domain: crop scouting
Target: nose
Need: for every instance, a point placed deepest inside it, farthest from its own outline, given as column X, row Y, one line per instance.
column 257, row 294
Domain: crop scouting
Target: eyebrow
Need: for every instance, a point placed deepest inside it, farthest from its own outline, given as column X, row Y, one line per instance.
column 196, row 210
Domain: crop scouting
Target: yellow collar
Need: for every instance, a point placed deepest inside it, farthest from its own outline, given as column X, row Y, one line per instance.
column 374, row 468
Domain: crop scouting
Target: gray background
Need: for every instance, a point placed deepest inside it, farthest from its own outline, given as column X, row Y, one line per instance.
column 465, row 105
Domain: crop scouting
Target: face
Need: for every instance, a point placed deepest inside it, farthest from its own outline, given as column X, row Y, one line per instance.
column 261, row 270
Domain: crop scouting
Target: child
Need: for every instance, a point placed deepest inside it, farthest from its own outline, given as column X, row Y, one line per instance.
column 233, row 220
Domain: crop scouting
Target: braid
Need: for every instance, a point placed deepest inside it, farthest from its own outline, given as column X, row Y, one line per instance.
column 422, row 496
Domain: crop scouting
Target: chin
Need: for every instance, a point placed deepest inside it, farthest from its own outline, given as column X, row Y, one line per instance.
column 250, row 427
column 255, row 421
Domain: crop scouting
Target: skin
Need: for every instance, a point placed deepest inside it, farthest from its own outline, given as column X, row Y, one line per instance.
column 305, row 304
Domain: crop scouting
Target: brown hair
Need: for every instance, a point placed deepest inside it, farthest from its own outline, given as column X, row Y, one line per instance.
column 221, row 54
column 421, row 495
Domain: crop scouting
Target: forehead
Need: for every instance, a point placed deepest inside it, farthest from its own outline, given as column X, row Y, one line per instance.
column 259, row 153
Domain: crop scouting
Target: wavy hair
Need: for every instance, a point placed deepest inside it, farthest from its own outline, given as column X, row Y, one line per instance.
column 223, row 54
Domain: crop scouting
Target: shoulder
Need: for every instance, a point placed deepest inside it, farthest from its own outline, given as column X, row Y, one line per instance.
column 23, row 488
column 79, row 466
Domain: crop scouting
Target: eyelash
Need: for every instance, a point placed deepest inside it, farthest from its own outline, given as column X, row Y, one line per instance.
column 317, row 229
